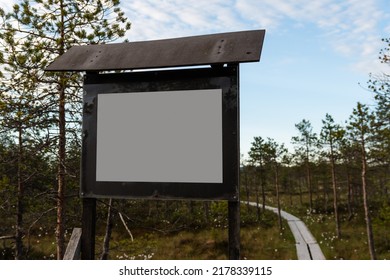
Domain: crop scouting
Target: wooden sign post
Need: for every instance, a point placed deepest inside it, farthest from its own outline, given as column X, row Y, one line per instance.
column 162, row 134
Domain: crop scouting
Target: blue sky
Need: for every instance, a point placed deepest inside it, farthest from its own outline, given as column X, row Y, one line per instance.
column 316, row 58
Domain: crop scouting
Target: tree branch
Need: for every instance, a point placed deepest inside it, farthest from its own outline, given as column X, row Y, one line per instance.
column 124, row 223
column 7, row 237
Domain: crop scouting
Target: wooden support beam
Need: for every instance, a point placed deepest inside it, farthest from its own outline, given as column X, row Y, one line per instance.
column 234, row 229
column 88, row 229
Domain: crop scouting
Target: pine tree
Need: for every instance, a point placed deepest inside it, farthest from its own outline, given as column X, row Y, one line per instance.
column 380, row 86
column 274, row 154
column 305, row 144
column 22, row 117
column 332, row 135
column 361, row 132
column 43, row 30
column 257, row 159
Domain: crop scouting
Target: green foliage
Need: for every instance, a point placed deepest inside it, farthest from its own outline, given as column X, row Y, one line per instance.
column 332, row 134
column 36, row 32
column 306, row 141
column 383, row 218
column 41, row 111
column 361, row 122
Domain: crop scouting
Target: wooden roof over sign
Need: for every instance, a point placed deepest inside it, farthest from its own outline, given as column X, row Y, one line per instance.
column 233, row 47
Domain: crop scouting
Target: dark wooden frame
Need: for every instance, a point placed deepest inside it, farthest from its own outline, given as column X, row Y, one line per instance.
column 225, row 78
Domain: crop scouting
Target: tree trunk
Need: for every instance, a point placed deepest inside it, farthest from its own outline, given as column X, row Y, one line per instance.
column 350, row 207
column 60, row 229
column 326, row 196
column 247, row 191
column 263, row 197
column 335, row 195
column 300, row 191
column 262, row 183
column 317, row 190
column 206, row 207
column 278, row 197
column 19, row 206
column 386, row 190
column 308, row 174
column 107, row 236
column 383, row 186
column 370, row 235
column 257, row 203
column 61, row 175
column 290, row 187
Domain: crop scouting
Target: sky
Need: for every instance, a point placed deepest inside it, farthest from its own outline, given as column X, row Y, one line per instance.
column 316, row 59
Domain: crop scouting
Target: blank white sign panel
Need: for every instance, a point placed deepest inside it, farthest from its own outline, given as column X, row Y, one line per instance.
column 164, row 136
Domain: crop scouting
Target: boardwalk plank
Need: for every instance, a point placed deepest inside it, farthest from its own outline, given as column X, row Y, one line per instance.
column 306, row 245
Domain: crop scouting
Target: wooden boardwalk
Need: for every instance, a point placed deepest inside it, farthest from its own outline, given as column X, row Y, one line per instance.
column 306, row 245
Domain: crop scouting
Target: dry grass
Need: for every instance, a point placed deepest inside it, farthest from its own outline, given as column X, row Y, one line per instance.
column 353, row 242
column 206, row 244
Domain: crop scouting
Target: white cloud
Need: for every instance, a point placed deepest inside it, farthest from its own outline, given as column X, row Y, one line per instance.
column 7, row 4
column 352, row 28
column 170, row 18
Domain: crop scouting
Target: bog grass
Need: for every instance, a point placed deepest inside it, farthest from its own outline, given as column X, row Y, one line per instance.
column 173, row 231
column 207, row 244
column 259, row 240
column 178, row 233
column 353, row 242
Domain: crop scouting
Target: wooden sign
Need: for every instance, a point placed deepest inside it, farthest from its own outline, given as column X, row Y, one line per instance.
column 162, row 134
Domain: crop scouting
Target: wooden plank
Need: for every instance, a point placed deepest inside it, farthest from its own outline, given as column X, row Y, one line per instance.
column 302, row 252
column 273, row 209
column 316, row 252
column 306, row 245
column 296, row 233
column 307, row 236
column 232, row 47
column 288, row 216
column 73, row 249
